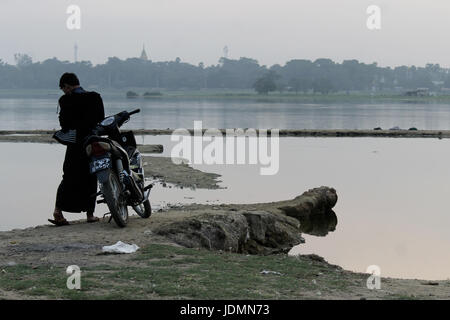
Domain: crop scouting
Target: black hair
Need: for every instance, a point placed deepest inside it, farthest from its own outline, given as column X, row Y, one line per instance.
column 69, row 78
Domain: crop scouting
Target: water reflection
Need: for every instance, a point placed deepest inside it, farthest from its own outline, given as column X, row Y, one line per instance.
column 319, row 224
column 381, row 205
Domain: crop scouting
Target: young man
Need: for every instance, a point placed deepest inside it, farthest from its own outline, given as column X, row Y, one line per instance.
column 81, row 111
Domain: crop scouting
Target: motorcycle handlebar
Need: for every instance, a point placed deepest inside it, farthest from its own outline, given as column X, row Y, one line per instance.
column 134, row 111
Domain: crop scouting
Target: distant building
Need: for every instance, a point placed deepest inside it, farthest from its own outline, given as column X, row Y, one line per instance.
column 144, row 54
column 75, row 53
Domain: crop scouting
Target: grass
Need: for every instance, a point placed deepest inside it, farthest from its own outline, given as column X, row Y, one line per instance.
column 167, row 272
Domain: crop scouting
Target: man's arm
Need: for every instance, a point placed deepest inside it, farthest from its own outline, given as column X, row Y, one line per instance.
column 100, row 109
column 63, row 116
column 93, row 113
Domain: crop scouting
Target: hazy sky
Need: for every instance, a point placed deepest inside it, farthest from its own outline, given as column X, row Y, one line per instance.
column 412, row 31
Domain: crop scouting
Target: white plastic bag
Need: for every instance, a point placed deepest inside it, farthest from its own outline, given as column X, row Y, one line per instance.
column 120, row 247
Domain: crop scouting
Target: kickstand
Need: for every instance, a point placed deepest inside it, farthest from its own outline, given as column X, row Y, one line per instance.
column 110, row 218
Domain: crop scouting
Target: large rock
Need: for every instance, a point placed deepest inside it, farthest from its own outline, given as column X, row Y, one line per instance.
column 270, row 233
column 316, row 201
column 216, row 231
column 256, row 229
column 314, row 210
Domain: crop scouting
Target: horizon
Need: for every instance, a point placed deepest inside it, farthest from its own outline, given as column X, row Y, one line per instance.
column 234, row 59
column 410, row 32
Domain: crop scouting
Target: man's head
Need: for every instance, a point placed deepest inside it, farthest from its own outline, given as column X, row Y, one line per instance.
column 68, row 82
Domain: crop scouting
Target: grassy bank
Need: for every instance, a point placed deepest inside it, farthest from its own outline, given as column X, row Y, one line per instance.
column 229, row 94
column 169, row 272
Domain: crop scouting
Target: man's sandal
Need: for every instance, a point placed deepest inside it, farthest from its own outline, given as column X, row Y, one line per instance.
column 60, row 222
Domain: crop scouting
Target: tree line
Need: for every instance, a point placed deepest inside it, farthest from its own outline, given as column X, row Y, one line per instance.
column 298, row 75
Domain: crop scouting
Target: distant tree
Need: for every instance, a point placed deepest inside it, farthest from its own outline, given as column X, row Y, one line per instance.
column 321, row 75
column 322, row 85
column 266, row 83
column 23, row 60
column 299, row 84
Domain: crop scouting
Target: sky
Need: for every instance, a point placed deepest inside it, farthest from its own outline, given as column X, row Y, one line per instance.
column 413, row 32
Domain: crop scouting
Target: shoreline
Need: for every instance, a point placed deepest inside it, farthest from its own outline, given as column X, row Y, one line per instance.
column 190, row 239
column 186, row 251
column 31, row 135
column 230, row 94
column 34, row 261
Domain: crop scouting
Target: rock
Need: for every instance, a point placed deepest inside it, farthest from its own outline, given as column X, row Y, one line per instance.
column 218, row 231
column 271, row 233
column 256, row 229
column 430, row 283
column 256, row 232
column 312, row 202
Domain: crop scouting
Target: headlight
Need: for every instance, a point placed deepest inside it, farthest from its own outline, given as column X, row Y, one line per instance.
column 107, row 122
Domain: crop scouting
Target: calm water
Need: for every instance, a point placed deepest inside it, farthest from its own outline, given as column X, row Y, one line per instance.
column 392, row 209
column 40, row 113
column 393, row 193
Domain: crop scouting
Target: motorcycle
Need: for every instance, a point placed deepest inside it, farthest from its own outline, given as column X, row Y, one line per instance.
column 117, row 163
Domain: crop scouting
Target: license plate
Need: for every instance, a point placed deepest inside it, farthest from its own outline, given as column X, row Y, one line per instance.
column 100, row 164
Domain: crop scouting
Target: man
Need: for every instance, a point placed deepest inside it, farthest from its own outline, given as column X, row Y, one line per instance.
column 80, row 111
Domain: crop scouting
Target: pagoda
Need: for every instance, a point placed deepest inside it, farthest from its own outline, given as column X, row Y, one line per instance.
column 144, row 54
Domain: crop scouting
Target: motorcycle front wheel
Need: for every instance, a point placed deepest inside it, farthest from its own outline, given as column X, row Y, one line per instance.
column 112, row 191
column 144, row 209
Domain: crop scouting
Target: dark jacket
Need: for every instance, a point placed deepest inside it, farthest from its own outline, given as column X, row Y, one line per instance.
column 80, row 110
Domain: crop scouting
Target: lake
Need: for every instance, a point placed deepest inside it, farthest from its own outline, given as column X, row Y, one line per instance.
column 392, row 209
column 40, row 113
